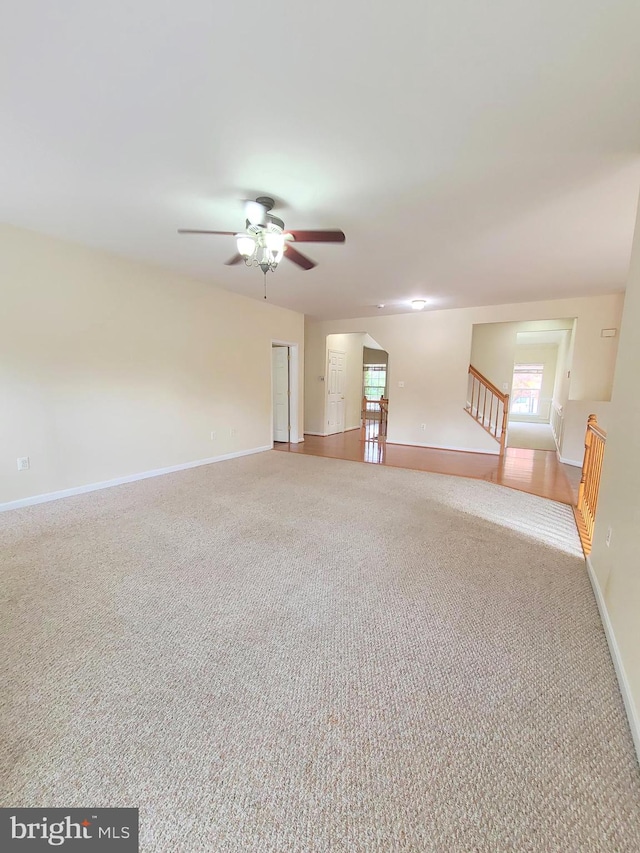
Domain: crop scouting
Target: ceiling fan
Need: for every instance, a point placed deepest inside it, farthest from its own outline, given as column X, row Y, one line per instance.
column 264, row 242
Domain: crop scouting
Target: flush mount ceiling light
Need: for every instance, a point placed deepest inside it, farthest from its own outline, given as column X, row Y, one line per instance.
column 418, row 304
column 264, row 242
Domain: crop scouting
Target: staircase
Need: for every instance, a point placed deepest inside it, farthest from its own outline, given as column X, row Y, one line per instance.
column 488, row 406
column 585, row 511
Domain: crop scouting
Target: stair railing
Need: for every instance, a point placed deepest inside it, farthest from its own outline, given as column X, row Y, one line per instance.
column 488, row 406
column 557, row 422
column 374, row 417
column 585, row 510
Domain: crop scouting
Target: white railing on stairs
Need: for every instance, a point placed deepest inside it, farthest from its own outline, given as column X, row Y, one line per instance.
column 557, row 423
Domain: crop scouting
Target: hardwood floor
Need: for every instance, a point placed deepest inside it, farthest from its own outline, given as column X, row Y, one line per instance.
column 535, row 471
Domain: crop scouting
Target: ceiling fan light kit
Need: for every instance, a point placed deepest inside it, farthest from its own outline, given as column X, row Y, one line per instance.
column 263, row 249
column 264, row 241
column 418, row 304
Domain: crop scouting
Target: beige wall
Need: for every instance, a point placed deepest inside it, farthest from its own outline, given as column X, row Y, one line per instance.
column 315, row 343
column 493, row 348
column 375, row 356
column 563, row 368
column 110, row 368
column 575, row 414
column 591, row 356
column 430, row 353
column 617, row 567
column 593, row 361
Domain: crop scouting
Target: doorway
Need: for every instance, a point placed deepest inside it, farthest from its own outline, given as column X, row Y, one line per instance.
column 280, row 390
column 539, row 361
column 336, row 373
column 375, row 394
column 284, row 391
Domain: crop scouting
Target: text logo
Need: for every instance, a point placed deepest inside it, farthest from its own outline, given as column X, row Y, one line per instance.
column 79, row 830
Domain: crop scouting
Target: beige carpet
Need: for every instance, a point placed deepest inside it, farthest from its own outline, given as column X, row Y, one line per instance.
column 530, row 436
column 286, row 653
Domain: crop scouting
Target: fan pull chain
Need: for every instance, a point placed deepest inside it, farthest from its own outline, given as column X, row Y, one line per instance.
column 265, row 285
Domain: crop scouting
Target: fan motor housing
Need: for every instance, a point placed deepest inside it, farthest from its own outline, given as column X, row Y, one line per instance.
column 266, row 201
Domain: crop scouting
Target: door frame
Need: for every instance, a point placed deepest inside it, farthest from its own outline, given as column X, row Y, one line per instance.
column 326, row 392
column 294, row 396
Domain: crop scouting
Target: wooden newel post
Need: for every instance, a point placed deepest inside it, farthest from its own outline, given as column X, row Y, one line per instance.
column 384, row 410
column 585, row 511
column 586, row 462
column 505, row 423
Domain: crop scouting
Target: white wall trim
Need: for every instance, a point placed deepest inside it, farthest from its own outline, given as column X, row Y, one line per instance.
column 130, row 478
column 623, row 681
column 323, row 434
column 573, row 462
column 446, row 447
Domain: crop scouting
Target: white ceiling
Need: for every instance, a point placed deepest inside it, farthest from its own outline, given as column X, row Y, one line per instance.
column 473, row 153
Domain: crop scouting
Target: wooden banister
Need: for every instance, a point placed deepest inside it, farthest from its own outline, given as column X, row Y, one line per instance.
column 585, row 510
column 488, row 406
column 486, row 382
column 373, row 422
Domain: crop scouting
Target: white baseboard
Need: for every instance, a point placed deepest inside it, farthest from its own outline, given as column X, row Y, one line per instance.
column 308, row 432
column 130, row 478
column 445, row 447
column 632, row 712
column 573, row 462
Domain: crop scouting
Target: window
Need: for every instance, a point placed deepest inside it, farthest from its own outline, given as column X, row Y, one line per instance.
column 375, row 381
column 527, row 382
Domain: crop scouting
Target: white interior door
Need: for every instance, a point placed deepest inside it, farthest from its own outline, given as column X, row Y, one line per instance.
column 336, row 375
column 280, row 384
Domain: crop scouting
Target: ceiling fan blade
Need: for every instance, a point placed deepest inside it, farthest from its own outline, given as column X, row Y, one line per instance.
column 192, row 231
column 298, row 258
column 234, row 260
column 332, row 235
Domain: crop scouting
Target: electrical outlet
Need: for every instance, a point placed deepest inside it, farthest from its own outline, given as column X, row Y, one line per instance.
column 423, row 426
column 233, row 432
column 607, row 541
column 213, row 435
column 23, row 463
